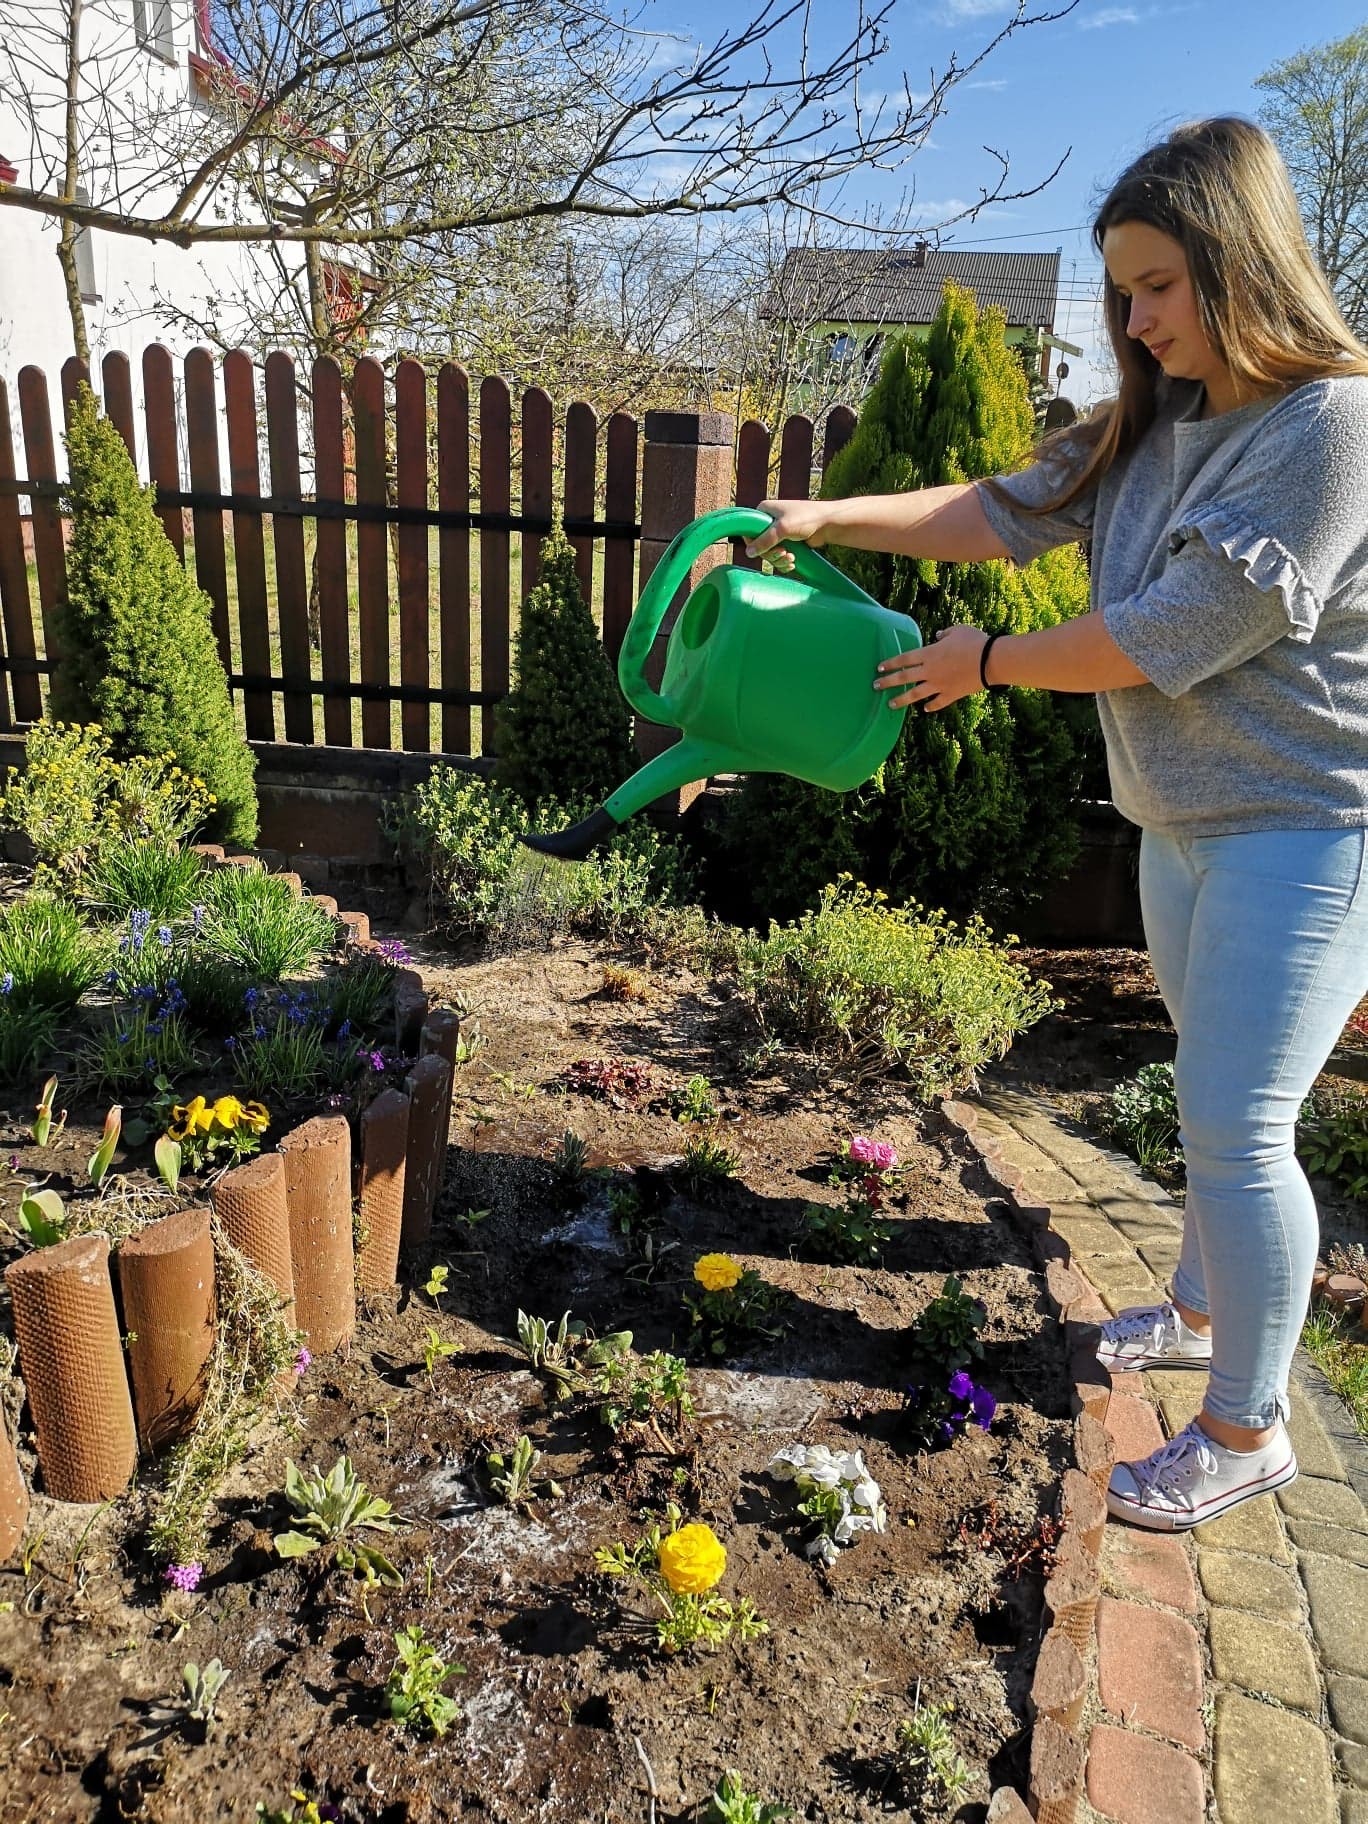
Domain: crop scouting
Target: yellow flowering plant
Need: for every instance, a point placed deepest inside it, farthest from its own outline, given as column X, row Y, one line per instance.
column 733, row 1303
column 679, row 1567
column 202, row 1133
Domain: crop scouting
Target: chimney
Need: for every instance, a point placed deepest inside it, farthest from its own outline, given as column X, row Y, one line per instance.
column 919, row 253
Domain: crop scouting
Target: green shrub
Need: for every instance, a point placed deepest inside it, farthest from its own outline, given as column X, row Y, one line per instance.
column 1142, row 1117
column 464, row 835
column 564, row 732
column 145, row 876
column 360, row 994
column 973, row 811
column 138, row 650
column 47, row 957
column 255, row 922
column 879, row 989
column 1332, row 1138
column 27, row 1036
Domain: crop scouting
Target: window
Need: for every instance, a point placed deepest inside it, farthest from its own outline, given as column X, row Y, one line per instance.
column 85, row 256
column 152, row 26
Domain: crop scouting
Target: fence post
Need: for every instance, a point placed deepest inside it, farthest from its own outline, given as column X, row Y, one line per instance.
column 688, row 468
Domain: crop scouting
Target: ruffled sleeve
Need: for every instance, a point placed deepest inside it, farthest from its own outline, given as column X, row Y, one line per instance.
column 1283, row 532
column 1028, row 535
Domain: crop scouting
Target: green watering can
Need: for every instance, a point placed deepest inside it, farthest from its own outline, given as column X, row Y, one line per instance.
column 763, row 673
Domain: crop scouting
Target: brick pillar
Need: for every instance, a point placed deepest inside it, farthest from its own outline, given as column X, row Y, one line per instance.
column 688, row 468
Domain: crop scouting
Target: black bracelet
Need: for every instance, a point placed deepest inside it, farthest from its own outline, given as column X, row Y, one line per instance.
column 984, row 650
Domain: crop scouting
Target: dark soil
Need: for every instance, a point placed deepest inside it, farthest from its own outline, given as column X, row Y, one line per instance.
column 569, row 1712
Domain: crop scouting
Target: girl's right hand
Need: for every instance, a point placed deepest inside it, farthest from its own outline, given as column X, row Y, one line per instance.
column 803, row 521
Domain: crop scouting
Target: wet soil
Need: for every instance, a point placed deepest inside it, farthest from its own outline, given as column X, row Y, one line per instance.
column 568, row 1710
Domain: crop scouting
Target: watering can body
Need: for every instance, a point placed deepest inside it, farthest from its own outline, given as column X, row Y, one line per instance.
column 763, row 673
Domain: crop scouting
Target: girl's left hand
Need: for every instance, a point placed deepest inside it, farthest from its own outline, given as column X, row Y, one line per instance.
column 936, row 675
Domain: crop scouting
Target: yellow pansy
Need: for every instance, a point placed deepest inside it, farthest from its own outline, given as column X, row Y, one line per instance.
column 191, row 1118
column 254, row 1116
column 692, row 1560
column 717, row 1272
column 228, row 1112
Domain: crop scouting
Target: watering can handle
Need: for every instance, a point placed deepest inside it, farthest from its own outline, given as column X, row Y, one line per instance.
column 675, row 563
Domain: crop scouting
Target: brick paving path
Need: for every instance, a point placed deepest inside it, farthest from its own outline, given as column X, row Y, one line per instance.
column 1230, row 1680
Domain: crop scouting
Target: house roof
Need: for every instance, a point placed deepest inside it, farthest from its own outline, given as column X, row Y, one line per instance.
column 907, row 284
column 9, row 174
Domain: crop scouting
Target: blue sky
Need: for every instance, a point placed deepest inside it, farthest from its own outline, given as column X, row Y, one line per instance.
column 1107, row 80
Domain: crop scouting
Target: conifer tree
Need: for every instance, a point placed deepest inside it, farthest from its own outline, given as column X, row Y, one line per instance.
column 973, row 810
column 564, row 732
column 138, row 653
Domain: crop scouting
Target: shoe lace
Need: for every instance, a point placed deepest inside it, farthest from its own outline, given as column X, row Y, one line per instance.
column 1150, row 1322
column 1172, row 1467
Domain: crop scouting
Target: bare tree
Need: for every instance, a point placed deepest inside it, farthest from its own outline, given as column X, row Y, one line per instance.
column 412, row 143
column 1317, row 111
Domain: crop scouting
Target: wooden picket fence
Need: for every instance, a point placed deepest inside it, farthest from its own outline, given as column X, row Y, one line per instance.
column 393, row 462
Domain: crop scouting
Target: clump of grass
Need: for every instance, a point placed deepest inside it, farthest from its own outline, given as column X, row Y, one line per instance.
column 255, row 921
column 252, row 1348
column 1339, row 1348
column 1142, row 1117
column 623, row 984
column 47, row 957
column 133, row 876
column 707, row 1164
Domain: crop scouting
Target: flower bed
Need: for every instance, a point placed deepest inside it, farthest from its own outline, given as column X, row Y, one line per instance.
column 889, row 1668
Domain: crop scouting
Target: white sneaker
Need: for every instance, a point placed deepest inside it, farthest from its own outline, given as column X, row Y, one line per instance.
column 1149, row 1336
column 1193, row 1478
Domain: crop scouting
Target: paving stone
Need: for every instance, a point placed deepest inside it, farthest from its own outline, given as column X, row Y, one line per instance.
column 1162, row 1257
column 1348, row 1705
column 1151, row 1566
column 1089, row 1235
column 1133, row 1780
column 1165, row 1381
column 1042, row 1181
column 1133, row 1427
column 1316, row 1455
column 1123, row 1283
column 1270, row 1767
column 1233, row 1581
column 1353, row 1760
column 1149, row 1670
column 1253, row 1526
column 1353, row 1807
column 1311, row 1498
column 1180, row 1409
column 1331, row 1541
column 1338, row 1594
column 1262, row 1656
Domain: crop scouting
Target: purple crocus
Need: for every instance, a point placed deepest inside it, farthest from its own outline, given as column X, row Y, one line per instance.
column 184, row 1576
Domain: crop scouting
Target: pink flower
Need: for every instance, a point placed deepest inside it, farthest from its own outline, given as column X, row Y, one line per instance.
column 184, row 1576
column 302, row 1361
column 877, row 1153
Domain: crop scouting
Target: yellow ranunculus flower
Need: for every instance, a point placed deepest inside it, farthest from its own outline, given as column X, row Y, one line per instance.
column 692, row 1560
column 717, row 1272
column 254, row 1115
column 228, row 1112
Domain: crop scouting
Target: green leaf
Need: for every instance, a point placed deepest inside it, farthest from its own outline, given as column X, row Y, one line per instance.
column 293, row 1545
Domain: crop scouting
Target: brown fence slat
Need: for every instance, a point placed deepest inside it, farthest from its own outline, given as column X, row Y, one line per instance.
column 75, row 374
column 372, row 544
column 15, row 603
column 410, row 444
column 249, row 544
column 201, row 425
column 116, row 379
column 795, row 459
column 537, row 457
column 752, row 479
column 330, row 552
column 292, row 589
column 453, row 550
column 619, row 508
column 49, row 552
column 495, row 495
column 163, row 456
column 840, row 428
column 581, row 460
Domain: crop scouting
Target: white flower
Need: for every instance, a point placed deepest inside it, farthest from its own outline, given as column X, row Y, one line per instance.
column 823, row 1548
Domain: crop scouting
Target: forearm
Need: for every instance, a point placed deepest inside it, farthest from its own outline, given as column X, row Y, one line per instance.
column 946, row 524
column 1078, row 655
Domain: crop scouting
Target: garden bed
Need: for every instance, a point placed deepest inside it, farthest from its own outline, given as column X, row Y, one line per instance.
column 568, row 1708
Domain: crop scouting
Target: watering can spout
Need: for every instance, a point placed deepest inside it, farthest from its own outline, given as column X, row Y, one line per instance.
column 679, row 765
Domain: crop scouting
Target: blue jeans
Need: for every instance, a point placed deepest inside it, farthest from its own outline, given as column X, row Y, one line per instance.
column 1260, row 946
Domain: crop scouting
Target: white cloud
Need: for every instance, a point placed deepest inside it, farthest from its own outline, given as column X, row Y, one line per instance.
column 1109, row 15
column 988, row 82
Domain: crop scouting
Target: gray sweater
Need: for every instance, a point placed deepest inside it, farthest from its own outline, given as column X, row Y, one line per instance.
column 1230, row 563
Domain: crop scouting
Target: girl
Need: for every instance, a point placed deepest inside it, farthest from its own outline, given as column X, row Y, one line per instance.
column 1224, row 493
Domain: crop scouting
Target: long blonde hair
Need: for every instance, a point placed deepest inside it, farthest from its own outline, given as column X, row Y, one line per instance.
column 1220, row 189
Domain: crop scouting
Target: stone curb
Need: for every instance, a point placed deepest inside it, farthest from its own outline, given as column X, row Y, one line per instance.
column 1059, row 1690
